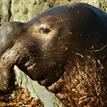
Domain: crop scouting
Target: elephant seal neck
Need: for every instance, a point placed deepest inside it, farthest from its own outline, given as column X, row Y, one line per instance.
column 79, row 85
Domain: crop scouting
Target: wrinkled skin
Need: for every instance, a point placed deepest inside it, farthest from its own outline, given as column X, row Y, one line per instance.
column 64, row 49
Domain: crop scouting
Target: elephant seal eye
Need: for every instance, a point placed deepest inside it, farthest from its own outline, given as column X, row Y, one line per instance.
column 44, row 30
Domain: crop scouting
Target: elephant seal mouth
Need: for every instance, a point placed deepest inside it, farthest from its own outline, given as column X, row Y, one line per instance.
column 54, row 87
column 53, row 81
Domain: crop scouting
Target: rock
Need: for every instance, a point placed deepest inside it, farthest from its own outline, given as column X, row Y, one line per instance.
column 36, row 91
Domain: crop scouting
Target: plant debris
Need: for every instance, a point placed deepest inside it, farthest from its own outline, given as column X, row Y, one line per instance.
column 20, row 98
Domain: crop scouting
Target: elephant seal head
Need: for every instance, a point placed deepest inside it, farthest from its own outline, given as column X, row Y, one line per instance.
column 55, row 48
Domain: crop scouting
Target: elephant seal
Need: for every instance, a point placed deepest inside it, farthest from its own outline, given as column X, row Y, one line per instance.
column 64, row 49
